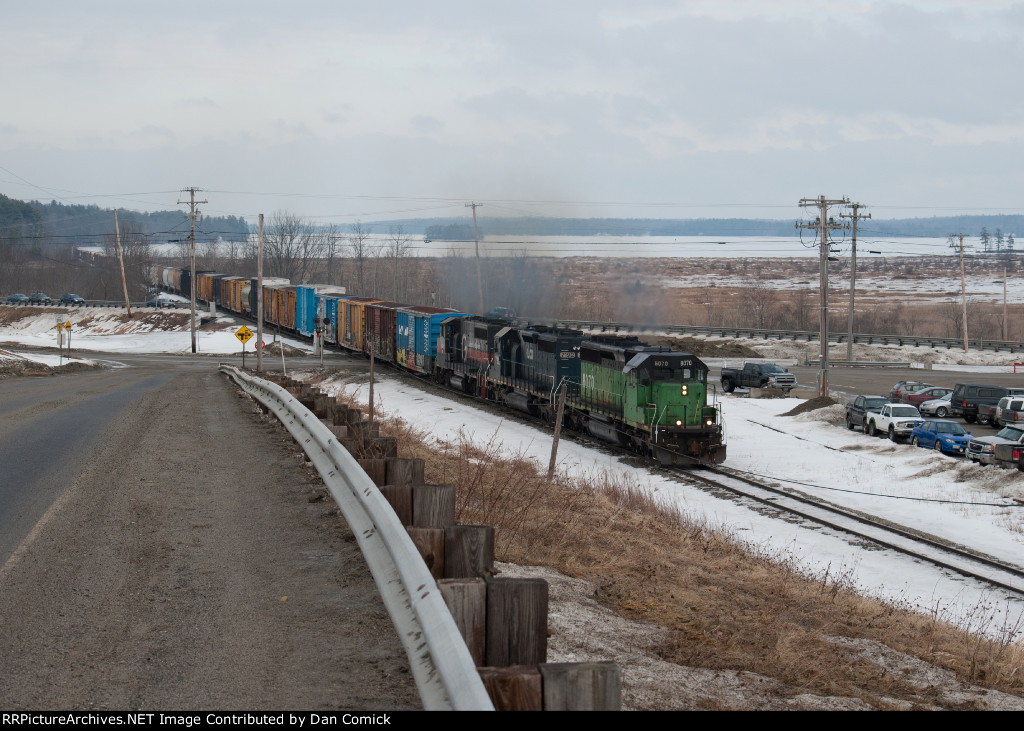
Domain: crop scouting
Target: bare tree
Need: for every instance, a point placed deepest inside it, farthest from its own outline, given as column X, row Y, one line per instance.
column 759, row 300
column 333, row 249
column 359, row 242
column 398, row 246
column 137, row 263
column 292, row 248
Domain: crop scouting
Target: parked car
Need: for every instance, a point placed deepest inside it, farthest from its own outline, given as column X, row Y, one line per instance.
column 903, row 387
column 939, row 407
column 941, row 435
column 897, row 421
column 983, row 449
column 501, row 313
column 71, row 299
column 39, row 298
column 858, row 409
column 967, row 398
column 17, row 299
column 1009, row 410
column 162, row 302
column 758, row 375
column 916, row 398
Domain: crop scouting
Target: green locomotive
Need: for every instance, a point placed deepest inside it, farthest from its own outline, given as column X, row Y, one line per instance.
column 650, row 398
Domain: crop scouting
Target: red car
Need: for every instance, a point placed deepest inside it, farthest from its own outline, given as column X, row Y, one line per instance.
column 926, row 394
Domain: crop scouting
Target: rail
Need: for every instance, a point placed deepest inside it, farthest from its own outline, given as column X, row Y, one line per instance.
column 442, row 666
column 1011, row 346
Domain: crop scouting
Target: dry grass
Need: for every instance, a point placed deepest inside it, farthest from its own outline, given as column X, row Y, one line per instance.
column 728, row 607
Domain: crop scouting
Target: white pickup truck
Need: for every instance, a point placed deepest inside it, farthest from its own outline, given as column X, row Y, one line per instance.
column 897, row 421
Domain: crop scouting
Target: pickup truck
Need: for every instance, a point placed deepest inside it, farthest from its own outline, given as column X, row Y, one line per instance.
column 895, row 420
column 997, row 449
column 857, row 410
column 758, row 375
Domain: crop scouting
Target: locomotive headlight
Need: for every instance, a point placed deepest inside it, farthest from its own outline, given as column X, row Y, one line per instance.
column 684, row 389
column 679, row 422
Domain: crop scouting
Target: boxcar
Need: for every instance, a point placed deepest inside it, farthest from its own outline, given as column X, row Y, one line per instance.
column 352, row 321
column 418, row 329
column 381, row 330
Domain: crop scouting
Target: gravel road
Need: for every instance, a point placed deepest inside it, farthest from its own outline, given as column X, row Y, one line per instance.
column 195, row 564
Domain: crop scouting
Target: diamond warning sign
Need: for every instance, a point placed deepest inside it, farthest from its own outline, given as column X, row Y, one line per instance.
column 243, row 333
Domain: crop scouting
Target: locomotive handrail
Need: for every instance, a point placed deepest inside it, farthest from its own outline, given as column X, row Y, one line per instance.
column 442, row 666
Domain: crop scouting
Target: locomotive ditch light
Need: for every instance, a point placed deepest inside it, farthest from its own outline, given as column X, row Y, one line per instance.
column 679, row 422
column 709, row 422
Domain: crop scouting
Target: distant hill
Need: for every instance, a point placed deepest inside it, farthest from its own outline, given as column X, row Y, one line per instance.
column 55, row 222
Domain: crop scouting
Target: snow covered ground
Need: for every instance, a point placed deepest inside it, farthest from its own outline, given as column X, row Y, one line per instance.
column 978, row 506
column 815, row 454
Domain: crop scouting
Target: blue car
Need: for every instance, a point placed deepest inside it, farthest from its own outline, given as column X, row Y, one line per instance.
column 941, row 435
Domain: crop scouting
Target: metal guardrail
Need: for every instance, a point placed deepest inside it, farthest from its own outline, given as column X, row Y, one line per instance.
column 444, row 671
column 859, row 364
column 1011, row 346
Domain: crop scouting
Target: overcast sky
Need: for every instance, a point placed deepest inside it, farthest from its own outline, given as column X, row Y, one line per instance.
column 356, row 110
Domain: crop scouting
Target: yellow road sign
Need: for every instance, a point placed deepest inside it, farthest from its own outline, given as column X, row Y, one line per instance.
column 243, row 333
column 67, row 325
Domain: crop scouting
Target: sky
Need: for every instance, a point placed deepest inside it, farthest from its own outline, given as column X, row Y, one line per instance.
column 813, row 453
column 352, row 111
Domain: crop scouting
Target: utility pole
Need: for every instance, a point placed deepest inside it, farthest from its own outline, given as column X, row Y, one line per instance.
column 963, row 284
column 824, row 224
column 476, row 240
column 259, row 301
column 192, row 202
column 853, row 270
column 120, row 258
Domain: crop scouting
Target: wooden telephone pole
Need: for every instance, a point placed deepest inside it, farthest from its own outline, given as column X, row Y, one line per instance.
column 963, row 283
column 855, row 216
column 476, row 240
column 120, row 258
column 824, row 224
column 192, row 203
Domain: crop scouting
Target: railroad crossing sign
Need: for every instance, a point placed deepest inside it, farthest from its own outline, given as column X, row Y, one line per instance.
column 243, row 333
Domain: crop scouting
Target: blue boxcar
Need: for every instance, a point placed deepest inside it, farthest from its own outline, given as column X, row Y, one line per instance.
column 306, row 305
column 327, row 308
column 418, row 331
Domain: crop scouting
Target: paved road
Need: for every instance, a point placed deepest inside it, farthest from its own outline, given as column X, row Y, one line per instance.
column 164, row 546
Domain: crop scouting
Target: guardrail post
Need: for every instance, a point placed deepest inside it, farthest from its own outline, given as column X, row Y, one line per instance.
column 433, row 506
column 468, row 551
column 517, row 621
column 587, row 686
column 516, row 688
column 467, row 602
column 430, row 544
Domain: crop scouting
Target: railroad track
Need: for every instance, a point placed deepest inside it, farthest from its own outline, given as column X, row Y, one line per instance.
column 907, row 541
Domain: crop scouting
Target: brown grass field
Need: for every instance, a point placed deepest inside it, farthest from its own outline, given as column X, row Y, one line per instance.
column 722, row 607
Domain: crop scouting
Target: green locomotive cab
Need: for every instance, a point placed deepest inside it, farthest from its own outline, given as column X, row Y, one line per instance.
column 651, row 398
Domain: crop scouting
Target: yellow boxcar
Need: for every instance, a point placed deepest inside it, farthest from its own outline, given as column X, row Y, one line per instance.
column 352, row 327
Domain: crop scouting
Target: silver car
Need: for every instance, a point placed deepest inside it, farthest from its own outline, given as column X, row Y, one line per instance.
column 936, row 407
column 983, row 449
column 1009, row 411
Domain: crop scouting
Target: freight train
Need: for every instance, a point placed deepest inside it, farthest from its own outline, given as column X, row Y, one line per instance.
column 651, row 399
